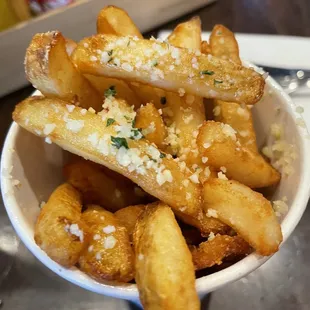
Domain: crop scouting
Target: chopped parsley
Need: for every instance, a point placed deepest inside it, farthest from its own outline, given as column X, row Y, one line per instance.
column 110, row 92
column 136, row 134
column 154, row 63
column 133, row 123
column 163, row 100
column 207, row 72
column 127, row 118
column 217, row 82
column 110, row 52
column 110, row 121
column 119, row 142
column 162, row 155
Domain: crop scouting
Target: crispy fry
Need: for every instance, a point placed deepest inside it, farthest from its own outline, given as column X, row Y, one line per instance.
column 187, row 35
column 164, row 268
column 218, row 142
column 128, row 217
column 247, row 212
column 123, row 91
column 150, row 121
column 205, row 47
column 99, row 188
column 109, row 255
column 150, row 62
column 59, row 230
column 188, row 111
column 224, row 45
column 50, row 70
column 213, row 252
column 86, row 135
column 114, row 20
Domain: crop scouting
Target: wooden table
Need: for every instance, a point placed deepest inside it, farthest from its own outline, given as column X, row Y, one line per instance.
column 282, row 283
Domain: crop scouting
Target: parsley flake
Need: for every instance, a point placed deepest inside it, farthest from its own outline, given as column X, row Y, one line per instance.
column 207, row 72
column 136, row 134
column 119, row 142
column 154, row 63
column 110, row 92
column 162, row 155
column 110, row 121
column 110, row 52
column 217, row 82
column 163, row 100
column 133, row 123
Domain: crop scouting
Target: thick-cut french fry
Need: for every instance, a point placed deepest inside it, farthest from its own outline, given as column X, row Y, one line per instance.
column 87, row 135
column 247, row 212
column 114, row 20
column 213, row 252
column 123, row 91
column 218, row 143
column 205, row 47
column 59, row 230
column 99, row 188
column 187, row 35
column 168, row 67
column 109, row 255
column 224, row 45
column 150, row 121
column 128, row 217
column 50, row 70
column 164, row 269
column 187, row 112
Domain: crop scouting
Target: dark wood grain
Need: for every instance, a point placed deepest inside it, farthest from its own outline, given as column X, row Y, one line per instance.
column 285, row 17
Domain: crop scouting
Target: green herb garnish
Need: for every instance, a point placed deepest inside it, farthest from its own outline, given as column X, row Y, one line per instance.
column 162, row 155
column 127, row 118
column 163, row 100
column 136, row 133
column 119, row 142
column 110, row 121
column 133, row 123
column 110, row 92
column 217, row 82
column 154, row 63
column 110, row 52
column 207, row 72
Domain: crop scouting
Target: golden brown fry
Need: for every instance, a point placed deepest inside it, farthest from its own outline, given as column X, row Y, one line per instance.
column 114, row 20
column 97, row 187
column 164, row 269
column 109, row 255
column 218, row 142
column 224, row 45
column 213, row 252
column 150, row 121
column 187, row 35
column 187, row 112
column 205, row 47
column 86, row 135
column 59, row 230
column 247, row 212
column 50, row 70
column 150, row 62
column 128, row 217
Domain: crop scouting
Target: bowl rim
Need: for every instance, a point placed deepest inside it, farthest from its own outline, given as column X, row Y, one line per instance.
column 204, row 284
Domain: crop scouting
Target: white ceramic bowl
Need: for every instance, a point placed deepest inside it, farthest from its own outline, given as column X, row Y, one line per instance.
column 38, row 166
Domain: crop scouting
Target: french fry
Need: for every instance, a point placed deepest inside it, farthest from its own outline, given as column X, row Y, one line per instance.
column 164, row 269
column 223, row 44
column 218, row 143
column 50, row 70
column 247, row 212
column 213, row 252
column 128, row 217
column 109, row 256
column 86, row 134
column 205, row 47
column 123, row 91
column 97, row 187
column 150, row 121
column 150, row 62
column 59, row 230
column 114, row 20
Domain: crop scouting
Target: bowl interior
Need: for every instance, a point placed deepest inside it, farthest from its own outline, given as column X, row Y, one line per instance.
column 38, row 167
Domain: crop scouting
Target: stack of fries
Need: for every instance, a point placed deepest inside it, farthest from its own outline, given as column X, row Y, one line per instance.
column 161, row 192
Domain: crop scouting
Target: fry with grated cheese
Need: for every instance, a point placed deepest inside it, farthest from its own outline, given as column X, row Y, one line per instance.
column 149, row 62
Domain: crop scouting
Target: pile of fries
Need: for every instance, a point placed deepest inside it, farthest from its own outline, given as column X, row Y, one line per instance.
column 153, row 192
